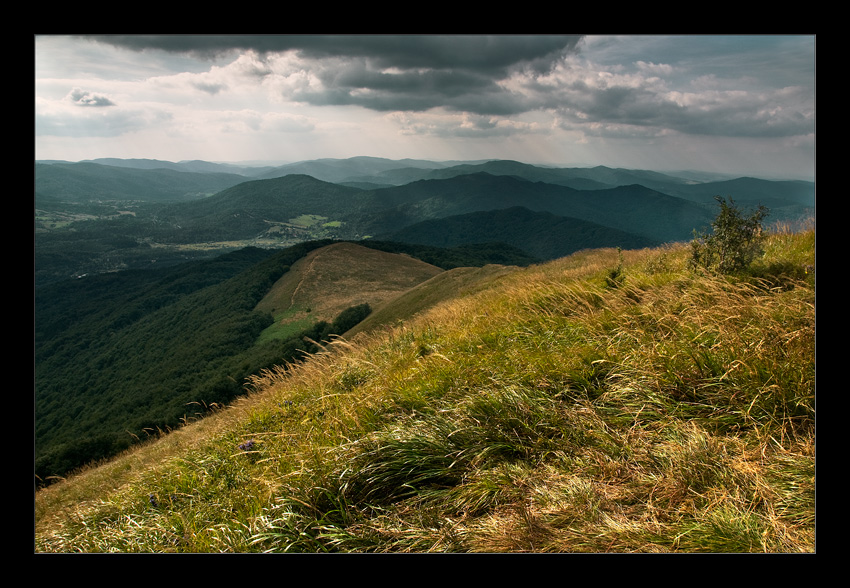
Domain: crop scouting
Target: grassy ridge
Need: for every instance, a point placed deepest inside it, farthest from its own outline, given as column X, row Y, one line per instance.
column 328, row 280
column 445, row 286
column 557, row 411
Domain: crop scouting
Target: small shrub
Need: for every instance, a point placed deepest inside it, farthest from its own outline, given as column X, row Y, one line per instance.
column 735, row 243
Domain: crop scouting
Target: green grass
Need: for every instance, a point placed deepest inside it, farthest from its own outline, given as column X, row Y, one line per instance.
column 282, row 328
column 308, row 220
column 555, row 411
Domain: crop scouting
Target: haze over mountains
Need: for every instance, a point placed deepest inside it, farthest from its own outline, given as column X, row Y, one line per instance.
column 156, row 204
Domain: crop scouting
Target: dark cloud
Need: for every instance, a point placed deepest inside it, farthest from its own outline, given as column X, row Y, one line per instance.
column 355, row 82
column 489, row 54
column 733, row 114
column 210, row 88
column 389, row 72
column 683, row 90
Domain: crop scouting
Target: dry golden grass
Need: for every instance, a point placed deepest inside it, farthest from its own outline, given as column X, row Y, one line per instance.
column 556, row 411
column 330, row 279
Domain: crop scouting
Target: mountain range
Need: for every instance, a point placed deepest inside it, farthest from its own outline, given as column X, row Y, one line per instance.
column 127, row 213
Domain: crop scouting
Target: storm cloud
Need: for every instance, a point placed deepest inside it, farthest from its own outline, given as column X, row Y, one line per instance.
column 488, row 54
column 500, row 75
column 385, row 72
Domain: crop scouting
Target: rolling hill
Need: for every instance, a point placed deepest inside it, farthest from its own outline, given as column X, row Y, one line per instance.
column 197, row 166
column 594, row 178
column 633, row 209
column 483, row 398
column 247, row 210
column 329, row 280
column 542, row 234
column 351, row 169
column 109, row 214
column 445, row 286
column 791, row 197
column 84, row 182
column 788, row 199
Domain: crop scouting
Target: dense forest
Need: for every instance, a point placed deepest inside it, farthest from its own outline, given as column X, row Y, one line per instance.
column 121, row 356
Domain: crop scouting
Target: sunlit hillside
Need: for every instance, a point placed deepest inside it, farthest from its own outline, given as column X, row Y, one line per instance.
column 604, row 402
column 331, row 279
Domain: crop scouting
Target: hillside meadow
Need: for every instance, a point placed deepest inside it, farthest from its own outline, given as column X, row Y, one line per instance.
column 609, row 401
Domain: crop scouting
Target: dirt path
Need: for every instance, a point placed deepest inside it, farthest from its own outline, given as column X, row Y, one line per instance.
column 304, row 275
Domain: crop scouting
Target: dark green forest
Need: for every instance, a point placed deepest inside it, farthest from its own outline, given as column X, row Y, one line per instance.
column 120, row 356
column 542, row 234
column 125, row 355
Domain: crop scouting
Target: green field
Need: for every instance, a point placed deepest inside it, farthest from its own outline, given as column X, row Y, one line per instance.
column 283, row 327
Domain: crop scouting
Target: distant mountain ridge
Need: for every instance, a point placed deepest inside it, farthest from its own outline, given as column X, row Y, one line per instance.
column 376, row 171
column 542, row 234
column 351, row 169
column 633, row 209
column 599, row 177
column 110, row 214
column 160, row 317
column 245, row 209
column 78, row 182
column 195, row 165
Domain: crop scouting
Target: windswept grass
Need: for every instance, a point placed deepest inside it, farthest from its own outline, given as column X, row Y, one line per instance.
column 558, row 411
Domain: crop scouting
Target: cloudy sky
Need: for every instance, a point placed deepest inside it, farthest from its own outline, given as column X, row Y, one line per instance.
column 736, row 104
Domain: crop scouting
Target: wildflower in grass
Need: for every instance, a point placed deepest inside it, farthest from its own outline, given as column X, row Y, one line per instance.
column 247, row 445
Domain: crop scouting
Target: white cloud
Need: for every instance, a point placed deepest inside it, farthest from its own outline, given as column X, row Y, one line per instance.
column 654, row 69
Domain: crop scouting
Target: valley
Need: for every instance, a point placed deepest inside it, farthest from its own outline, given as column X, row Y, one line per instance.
column 161, row 289
column 92, row 217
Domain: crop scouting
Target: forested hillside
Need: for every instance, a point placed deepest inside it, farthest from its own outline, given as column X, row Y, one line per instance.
column 128, row 354
column 542, row 234
column 124, row 355
column 83, row 182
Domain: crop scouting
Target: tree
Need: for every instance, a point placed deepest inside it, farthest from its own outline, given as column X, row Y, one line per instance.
column 735, row 242
column 350, row 317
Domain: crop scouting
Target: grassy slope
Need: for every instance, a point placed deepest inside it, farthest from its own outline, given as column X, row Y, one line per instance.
column 443, row 286
column 327, row 281
column 548, row 413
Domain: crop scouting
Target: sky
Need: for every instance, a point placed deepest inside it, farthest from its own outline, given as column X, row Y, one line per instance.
column 742, row 105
